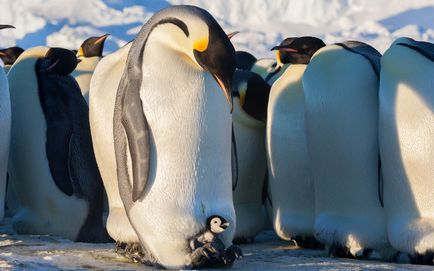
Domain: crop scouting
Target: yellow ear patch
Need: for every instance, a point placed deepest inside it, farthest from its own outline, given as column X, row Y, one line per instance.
column 279, row 62
column 201, row 44
column 80, row 52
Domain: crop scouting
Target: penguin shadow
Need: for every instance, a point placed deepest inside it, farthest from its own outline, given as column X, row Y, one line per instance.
column 413, row 232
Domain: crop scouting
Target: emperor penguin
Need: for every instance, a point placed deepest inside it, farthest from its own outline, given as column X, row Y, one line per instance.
column 250, row 113
column 89, row 54
column 289, row 171
column 9, row 55
column 52, row 167
column 161, row 128
column 5, row 128
column 406, row 133
column 340, row 87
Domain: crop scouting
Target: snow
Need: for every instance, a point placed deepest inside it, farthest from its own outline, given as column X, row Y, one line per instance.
column 19, row 252
column 263, row 23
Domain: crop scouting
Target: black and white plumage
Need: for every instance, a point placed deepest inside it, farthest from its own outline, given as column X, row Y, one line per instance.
column 52, row 166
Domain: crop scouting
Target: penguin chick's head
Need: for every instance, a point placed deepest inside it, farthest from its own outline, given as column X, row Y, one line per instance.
column 92, row 46
column 59, row 61
column 9, row 55
column 297, row 50
column 217, row 224
column 196, row 35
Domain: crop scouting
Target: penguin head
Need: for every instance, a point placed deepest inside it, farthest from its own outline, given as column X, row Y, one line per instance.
column 198, row 38
column 92, row 46
column 252, row 92
column 59, row 61
column 217, row 224
column 245, row 60
column 9, row 55
column 298, row 50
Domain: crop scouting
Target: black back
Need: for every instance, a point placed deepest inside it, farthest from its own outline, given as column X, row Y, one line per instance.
column 69, row 146
column 422, row 47
column 365, row 50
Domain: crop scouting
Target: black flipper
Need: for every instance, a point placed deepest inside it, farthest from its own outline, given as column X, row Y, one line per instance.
column 365, row 50
column 234, row 161
column 265, row 191
column 59, row 128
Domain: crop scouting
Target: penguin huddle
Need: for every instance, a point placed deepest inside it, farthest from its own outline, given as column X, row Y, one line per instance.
column 199, row 147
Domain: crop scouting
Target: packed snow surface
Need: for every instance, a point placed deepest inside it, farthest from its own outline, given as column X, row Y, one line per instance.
column 263, row 23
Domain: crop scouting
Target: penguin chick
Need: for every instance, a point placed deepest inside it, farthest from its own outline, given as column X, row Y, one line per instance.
column 215, row 225
column 59, row 61
column 92, row 46
column 9, row 55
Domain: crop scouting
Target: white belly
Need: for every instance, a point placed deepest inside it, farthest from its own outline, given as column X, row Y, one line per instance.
column 341, row 98
column 290, row 178
column 83, row 74
column 407, row 148
column 250, row 142
column 5, row 128
column 102, row 95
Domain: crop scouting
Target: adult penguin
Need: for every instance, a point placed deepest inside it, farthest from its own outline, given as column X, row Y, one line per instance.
column 9, row 55
column 89, row 54
column 52, row 166
column 407, row 146
column 5, row 128
column 289, row 170
column 250, row 113
column 341, row 114
column 159, row 97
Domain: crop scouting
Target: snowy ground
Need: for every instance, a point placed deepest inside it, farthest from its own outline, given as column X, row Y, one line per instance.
column 19, row 252
column 263, row 23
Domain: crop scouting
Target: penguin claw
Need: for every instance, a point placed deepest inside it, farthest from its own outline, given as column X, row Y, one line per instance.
column 338, row 251
column 214, row 255
column 135, row 253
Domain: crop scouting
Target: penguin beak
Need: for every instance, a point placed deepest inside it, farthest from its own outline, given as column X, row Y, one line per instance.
column 4, row 26
column 101, row 39
column 225, row 225
column 226, row 87
column 3, row 54
column 284, row 49
column 230, row 35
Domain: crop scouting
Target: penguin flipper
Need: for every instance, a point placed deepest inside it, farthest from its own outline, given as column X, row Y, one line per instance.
column 137, row 131
column 59, row 128
column 234, row 161
column 422, row 47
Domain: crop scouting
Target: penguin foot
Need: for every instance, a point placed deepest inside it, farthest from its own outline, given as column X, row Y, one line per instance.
column 426, row 258
column 135, row 253
column 213, row 255
column 308, row 242
column 243, row 240
column 337, row 250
